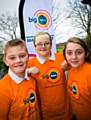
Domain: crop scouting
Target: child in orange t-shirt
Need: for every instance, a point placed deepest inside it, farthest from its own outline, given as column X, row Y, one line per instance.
column 77, row 56
column 54, row 99
column 18, row 100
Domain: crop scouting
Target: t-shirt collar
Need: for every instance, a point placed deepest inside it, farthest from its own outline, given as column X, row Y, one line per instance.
column 15, row 77
column 42, row 61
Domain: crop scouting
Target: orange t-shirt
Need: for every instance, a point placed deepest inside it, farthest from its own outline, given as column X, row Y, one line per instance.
column 52, row 88
column 18, row 101
column 79, row 87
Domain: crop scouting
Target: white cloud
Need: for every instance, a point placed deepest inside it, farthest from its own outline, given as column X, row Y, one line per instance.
column 9, row 6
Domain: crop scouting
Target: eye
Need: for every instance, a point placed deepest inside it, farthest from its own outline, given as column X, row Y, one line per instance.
column 79, row 52
column 42, row 44
column 38, row 44
column 69, row 53
column 11, row 58
column 47, row 43
column 22, row 56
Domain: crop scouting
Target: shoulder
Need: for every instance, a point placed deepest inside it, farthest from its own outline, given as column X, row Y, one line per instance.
column 5, row 85
column 60, row 56
column 87, row 67
column 5, row 98
column 87, row 73
column 31, row 61
column 4, row 80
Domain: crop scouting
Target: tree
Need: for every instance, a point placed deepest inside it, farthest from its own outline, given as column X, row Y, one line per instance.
column 3, row 67
column 8, row 30
column 8, row 26
column 81, row 17
column 60, row 14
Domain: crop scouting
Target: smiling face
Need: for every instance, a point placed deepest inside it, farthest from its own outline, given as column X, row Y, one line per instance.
column 75, row 54
column 43, row 45
column 16, row 59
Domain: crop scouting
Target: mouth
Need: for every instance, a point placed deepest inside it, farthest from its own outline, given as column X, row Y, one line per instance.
column 43, row 50
column 74, row 62
column 19, row 65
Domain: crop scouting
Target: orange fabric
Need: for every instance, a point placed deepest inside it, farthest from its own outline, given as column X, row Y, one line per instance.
column 15, row 103
column 79, row 87
column 52, row 88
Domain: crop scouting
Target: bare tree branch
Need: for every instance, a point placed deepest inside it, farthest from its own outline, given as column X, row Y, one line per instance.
column 81, row 16
column 8, row 25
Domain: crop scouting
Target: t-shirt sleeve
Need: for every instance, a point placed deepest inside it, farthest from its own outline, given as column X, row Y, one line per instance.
column 30, row 63
column 4, row 102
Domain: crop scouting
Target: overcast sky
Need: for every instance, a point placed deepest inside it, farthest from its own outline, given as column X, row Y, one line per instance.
column 9, row 5
column 63, row 30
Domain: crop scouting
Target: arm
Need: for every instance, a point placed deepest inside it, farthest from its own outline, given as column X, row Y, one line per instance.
column 32, row 70
column 4, row 102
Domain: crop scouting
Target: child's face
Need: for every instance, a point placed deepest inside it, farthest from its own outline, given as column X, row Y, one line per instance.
column 16, row 59
column 43, row 45
column 75, row 54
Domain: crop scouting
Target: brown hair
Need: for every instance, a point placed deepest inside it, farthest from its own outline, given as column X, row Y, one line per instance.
column 82, row 44
column 12, row 43
column 42, row 33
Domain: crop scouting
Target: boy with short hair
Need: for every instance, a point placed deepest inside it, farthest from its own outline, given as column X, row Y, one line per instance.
column 18, row 98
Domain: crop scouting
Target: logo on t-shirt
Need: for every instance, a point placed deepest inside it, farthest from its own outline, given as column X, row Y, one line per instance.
column 30, row 97
column 53, row 74
column 74, row 89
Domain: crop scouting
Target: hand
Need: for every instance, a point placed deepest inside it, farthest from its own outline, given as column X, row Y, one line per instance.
column 32, row 70
column 65, row 66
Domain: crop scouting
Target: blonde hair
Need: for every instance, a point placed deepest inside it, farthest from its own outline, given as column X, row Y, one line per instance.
column 42, row 33
column 13, row 43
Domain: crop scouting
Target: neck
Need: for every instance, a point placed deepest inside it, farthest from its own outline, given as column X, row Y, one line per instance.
column 22, row 75
column 46, row 57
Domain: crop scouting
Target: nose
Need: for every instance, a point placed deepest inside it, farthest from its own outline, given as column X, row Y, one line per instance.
column 43, row 45
column 74, row 55
column 18, row 59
